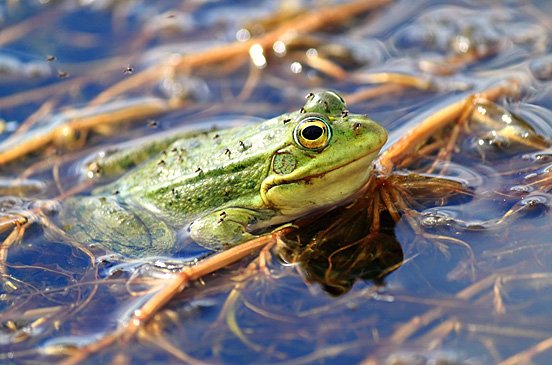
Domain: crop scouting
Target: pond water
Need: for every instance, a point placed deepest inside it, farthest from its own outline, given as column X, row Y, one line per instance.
column 461, row 278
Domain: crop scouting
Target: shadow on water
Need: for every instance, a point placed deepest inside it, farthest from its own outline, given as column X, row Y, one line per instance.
column 336, row 260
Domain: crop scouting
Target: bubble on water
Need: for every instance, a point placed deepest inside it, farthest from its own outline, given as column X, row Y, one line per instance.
column 9, row 66
column 521, row 188
column 538, row 157
column 536, row 204
column 279, row 48
column 243, row 35
column 37, row 70
column 437, row 217
column 296, row 67
column 535, row 199
column 193, row 88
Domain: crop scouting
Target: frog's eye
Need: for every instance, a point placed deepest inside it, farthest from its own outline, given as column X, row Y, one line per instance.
column 312, row 133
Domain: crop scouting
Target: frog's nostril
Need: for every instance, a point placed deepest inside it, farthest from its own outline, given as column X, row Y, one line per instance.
column 357, row 128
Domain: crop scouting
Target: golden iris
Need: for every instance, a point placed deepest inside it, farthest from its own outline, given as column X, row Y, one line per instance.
column 312, row 133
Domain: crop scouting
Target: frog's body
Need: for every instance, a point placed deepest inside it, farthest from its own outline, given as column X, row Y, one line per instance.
column 223, row 185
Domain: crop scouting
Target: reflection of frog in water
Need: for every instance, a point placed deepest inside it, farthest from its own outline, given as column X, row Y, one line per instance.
column 336, row 255
column 223, row 186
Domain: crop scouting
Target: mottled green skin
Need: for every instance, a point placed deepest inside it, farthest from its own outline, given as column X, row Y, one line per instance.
column 224, row 184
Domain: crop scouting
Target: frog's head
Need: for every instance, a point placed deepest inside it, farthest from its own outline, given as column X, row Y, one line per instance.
column 327, row 156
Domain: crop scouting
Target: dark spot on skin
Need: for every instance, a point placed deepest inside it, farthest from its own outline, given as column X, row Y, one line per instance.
column 62, row 74
column 215, row 136
column 199, row 170
column 243, row 146
column 116, row 192
column 220, row 220
column 222, row 214
column 326, row 106
column 174, row 150
column 287, row 120
column 152, row 123
column 302, row 110
column 51, row 58
column 227, row 152
column 161, row 163
column 344, row 114
column 181, row 152
column 309, row 96
column 129, row 70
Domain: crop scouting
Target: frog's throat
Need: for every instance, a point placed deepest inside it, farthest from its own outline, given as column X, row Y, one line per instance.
column 318, row 190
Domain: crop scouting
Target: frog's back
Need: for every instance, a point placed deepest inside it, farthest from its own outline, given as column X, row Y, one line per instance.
column 193, row 176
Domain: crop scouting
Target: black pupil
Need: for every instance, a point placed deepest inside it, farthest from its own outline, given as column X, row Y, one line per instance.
column 312, row 132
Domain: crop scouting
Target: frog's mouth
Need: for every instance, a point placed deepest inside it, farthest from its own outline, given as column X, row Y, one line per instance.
column 362, row 160
column 295, row 197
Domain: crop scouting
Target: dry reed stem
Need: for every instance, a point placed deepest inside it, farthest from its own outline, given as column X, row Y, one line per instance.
column 171, row 349
column 525, row 357
column 82, row 120
column 408, row 329
column 410, row 81
column 326, row 66
column 13, row 238
column 373, row 92
column 445, row 152
column 436, row 121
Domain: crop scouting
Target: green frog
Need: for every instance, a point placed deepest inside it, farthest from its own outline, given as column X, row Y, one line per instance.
column 225, row 187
